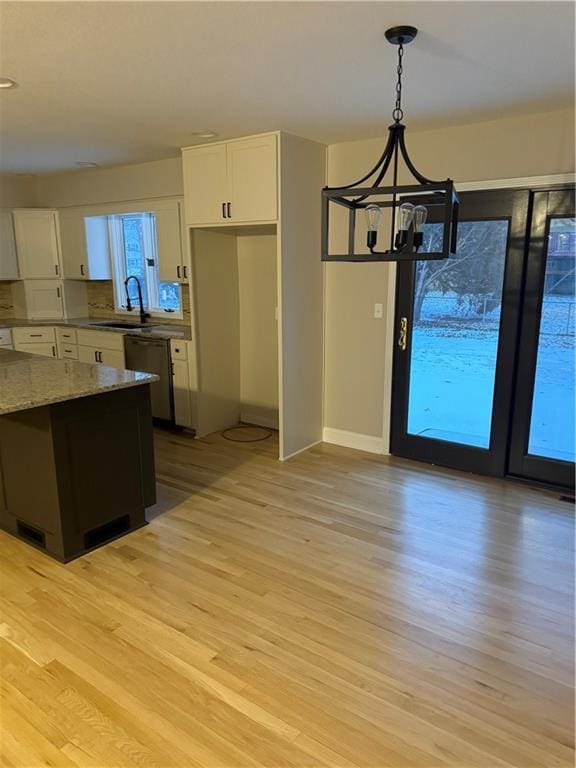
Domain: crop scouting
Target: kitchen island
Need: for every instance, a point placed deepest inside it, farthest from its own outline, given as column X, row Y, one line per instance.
column 76, row 452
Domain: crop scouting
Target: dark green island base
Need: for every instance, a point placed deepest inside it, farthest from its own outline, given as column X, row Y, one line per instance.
column 78, row 473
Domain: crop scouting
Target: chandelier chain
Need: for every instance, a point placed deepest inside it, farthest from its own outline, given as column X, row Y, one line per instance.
column 398, row 113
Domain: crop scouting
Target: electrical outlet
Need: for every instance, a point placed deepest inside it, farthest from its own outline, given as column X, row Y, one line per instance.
column 378, row 311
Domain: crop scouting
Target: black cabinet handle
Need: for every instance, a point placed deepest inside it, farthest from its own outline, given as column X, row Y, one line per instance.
column 58, row 292
column 178, row 271
column 229, row 209
column 95, row 357
column 53, row 351
column 56, row 269
column 185, row 268
column 82, row 269
column 223, row 210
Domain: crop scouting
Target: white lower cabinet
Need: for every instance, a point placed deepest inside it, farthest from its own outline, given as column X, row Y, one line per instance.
column 101, row 347
column 183, row 383
column 35, row 341
column 68, row 351
column 41, row 348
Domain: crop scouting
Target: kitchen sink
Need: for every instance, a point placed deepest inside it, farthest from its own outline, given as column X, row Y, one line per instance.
column 127, row 326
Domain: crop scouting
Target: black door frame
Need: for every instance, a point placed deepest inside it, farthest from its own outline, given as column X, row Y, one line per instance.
column 511, row 204
column 547, row 205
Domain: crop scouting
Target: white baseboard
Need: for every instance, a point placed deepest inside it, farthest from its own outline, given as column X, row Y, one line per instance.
column 356, row 440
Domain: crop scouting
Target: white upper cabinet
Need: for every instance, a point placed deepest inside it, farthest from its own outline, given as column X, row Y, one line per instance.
column 8, row 259
column 205, row 184
column 252, row 179
column 172, row 266
column 85, row 246
column 233, row 182
column 37, row 243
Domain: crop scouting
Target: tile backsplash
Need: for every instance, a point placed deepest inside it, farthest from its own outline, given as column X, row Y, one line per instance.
column 6, row 302
column 101, row 303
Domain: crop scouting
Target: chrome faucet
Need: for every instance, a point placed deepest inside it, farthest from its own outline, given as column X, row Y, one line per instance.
column 143, row 314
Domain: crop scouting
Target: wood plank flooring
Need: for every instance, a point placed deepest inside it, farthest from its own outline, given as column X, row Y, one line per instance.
column 339, row 610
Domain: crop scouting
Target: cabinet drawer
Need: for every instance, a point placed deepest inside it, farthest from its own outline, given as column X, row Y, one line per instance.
column 33, row 335
column 66, row 336
column 179, row 350
column 100, row 339
column 69, row 351
column 5, row 336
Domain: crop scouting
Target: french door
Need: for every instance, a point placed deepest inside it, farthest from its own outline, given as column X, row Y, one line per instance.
column 484, row 341
column 542, row 440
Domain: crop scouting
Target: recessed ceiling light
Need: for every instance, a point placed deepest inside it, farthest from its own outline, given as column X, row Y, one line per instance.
column 204, row 134
column 7, row 82
column 86, row 164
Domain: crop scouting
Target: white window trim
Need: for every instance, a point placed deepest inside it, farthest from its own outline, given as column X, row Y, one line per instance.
column 119, row 272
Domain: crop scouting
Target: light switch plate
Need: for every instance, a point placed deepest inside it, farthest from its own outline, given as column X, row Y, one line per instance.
column 378, row 311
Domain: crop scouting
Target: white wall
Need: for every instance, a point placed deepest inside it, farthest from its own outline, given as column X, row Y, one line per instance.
column 257, row 284
column 160, row 178
column 17, row 191
column 355, row 342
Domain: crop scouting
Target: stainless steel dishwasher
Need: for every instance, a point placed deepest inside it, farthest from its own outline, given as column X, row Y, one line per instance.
column 153, row 356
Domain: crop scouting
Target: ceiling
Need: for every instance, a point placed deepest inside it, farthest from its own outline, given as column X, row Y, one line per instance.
column 124, row 82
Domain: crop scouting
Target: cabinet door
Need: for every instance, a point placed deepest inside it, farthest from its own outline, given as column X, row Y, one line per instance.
column 88, row 354
column 41, row 348
column 44, row 300
column 8, row 260
column 205, row 184
column 73, row 245
column 169, row 242
column 114, row 359
column 252, row 179
column 37, row 243
column 182, row 407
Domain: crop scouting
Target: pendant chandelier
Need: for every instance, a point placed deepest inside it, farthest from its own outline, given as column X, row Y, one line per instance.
column 409, row 204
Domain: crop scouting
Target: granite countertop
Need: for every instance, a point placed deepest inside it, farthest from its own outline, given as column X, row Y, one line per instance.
column 152, row 329
column 29, row 381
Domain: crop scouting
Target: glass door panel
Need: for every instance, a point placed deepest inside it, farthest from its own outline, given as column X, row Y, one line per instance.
column 543, row 441
column 552, row 418
column 455, row 332
column 452, row 384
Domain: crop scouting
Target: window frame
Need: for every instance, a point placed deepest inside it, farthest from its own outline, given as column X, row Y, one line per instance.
column 118, row 258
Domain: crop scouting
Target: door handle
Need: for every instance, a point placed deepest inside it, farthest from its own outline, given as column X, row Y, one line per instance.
column 229, row 209
column 403, row 338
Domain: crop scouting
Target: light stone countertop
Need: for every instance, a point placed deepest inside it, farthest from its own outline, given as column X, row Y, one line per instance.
column 155, row 330
column 29, row 381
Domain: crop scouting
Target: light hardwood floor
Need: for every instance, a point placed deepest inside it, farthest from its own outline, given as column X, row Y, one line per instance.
column 340, row 609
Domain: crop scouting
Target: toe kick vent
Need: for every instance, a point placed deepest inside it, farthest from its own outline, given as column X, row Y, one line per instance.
column 31, row 534
column 106, row 532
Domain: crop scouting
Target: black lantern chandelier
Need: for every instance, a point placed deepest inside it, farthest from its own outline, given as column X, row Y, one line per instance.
column 409, row 204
